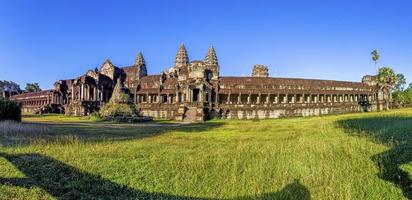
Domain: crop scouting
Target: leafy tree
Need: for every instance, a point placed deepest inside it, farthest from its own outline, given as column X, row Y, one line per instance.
column 32, row 87
column 402, row 98
column 400, row 82
column 11, row 87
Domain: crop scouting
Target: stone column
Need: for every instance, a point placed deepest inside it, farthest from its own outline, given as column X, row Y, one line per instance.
column 177, row 96
column 86, row 92
column 239, row 98
column 95, row 94
column 258, row 99
column 189, row 96
column 81, row 91
column 248, row 99
column 216, row 96
column 102, row 94
column 98, row 94
column 72, row 92
column 228, row 98
column 267, row 98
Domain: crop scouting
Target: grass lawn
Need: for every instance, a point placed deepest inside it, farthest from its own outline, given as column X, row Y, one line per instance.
column 351, row 156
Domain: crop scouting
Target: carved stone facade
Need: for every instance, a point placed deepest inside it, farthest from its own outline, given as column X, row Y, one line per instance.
column 260, row 71
column 195, row 91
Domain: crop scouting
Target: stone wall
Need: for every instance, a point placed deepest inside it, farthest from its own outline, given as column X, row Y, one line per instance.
column 262, row 112
column 157, row 110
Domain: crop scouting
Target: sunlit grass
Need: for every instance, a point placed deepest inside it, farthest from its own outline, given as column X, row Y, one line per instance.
column 56, row 118
column 297, row 158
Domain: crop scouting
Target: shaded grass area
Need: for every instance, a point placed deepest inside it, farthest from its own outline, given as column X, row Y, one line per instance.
column 66, row 182
column 300, row 158
column 394, row 131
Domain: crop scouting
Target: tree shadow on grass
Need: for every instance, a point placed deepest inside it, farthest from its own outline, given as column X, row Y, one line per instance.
column 66, row 182
column 395, row 132
column 96, row 132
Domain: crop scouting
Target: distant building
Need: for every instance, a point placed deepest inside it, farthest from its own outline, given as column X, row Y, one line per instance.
column 195, row 91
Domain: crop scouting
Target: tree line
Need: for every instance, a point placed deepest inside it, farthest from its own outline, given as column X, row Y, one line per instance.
column 14, row 88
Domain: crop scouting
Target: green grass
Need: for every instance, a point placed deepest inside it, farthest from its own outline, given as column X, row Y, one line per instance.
column 351, row 156
column 56, row 118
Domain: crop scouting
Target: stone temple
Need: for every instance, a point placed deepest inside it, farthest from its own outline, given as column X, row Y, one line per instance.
column 195, row 91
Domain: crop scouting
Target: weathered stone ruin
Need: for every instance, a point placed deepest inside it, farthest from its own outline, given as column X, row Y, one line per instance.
column 260, row 71
column 195, row 91
column 120, row 106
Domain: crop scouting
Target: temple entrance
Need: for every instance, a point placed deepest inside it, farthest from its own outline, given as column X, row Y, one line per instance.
column 195, row 94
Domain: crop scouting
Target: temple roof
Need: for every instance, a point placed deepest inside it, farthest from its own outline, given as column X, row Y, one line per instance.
column 32, row 94
column 253, row 85
column 289, row 82
column 150, row 82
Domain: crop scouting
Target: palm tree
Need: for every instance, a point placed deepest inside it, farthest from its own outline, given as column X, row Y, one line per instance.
column 375, row 57
column 386, row 79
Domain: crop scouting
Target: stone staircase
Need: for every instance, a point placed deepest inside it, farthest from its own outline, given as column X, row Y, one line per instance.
column 190, row 114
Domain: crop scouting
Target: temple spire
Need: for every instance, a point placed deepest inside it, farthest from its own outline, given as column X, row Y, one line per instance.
column 139, row 60
column 211, row 57
column 182, row 58
column 141, row 66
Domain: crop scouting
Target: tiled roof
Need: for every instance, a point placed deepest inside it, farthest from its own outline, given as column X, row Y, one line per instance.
column 288, row 82
column 32, row 94
column 151, row 81
column 170, row 83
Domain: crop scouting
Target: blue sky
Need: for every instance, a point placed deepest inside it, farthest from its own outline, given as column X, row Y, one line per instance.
column 46, row 40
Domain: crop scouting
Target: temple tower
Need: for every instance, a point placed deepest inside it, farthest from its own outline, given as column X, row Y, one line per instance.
column 212, row 65
column 260, row 71
column 182, row 59
column 211, row 58
column 141, row 66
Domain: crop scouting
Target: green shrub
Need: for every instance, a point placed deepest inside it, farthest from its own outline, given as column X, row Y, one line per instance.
column 123, row 98
column 9, row 110
column 95, row 116
column 115, row 110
